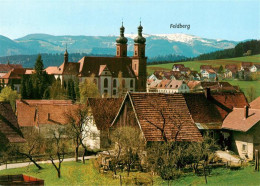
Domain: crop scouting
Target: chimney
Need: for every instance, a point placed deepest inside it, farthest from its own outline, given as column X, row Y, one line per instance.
column 246, row 109
column 207, row 93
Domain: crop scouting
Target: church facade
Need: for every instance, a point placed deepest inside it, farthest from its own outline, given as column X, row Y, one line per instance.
column 110, row 73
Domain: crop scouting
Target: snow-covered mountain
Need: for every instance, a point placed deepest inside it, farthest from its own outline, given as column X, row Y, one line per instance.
column 157, row 44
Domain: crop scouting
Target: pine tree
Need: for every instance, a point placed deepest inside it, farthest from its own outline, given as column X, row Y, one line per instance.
column 23, row 88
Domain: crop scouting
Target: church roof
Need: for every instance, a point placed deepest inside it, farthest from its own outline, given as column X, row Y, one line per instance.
column 91, row 65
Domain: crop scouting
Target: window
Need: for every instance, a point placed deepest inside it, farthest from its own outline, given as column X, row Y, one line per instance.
column 123, row 83
column 244, row 147
column 105, row 83
column 135, row 66
column 136, row 53
column 117, row 53
column 114, row 83
column 131, row 83
column 114, row 92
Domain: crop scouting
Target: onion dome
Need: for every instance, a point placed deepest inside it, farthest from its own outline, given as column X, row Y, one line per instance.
column 122, row 39
column 140, row 39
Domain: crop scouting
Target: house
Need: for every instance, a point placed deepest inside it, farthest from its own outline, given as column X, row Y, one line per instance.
column 243, row 126
column 152, row 85
column 205, row 67
column 5, row 68
column 158, row 116
column 209, row 74
column 194, row 75
column 230, row 71
column 255, row 68
column 101, row 114
column 44, row 115
column 218, row 86
column 195, row 86
column 14, row 77
column 177, row 67
column 177, row 86
column 106, row 70
column 9, row 129
column 161, row 87
column 209, row 109
column 247, row 65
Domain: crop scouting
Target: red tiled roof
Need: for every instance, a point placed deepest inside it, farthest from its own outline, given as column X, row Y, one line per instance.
column 8, row 124
column 104, row 110
column 222, row 86
column 193, row 84
column 205, row 67
column 255, row 104
column 91, row 65
column 163, row 83
column 148, row 108
column 8, row 67
column 37, row 112
column 236, row 120
column 215, row 108
column 247, row 64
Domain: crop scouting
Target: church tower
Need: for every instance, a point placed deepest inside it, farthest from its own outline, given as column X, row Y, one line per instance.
column 121, row 43
column 139, row 61
column 66, row 56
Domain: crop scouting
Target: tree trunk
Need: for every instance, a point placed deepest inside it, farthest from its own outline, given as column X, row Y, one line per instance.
column 204, row 172
column 32, row 160
column 58, row 170
column 84, row 154
column 77, row 153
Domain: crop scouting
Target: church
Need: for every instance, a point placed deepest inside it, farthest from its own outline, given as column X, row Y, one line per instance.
column 109, row 73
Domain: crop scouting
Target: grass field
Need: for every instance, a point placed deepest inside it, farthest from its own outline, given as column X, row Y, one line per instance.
column 195, row 65
column 79, row 174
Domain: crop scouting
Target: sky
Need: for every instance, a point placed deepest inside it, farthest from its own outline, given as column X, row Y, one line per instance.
column 223, row 19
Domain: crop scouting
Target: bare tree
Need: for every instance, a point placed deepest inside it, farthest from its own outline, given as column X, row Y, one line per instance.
column 77, row 120
column 129, row 145
column 33, row 146
column 56, row 148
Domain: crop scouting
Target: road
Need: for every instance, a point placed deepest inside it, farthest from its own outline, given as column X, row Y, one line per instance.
column 18, row 165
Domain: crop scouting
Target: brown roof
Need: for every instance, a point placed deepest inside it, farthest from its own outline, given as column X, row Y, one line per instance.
column 8, row 67
column 215, row 108
column 53, row 70
column 236, row 120
column 256, row 103
column 247, row 64
column 178, row 65
column 104, row 110
column 205, row 67
column 15, row 73
column 70, row 68
column 148, row 108
column 91, row 65
column 193, row 84
column 37, row 112
column 231, row 67
column 222, row 86
column 163, row 83
column 8, row 124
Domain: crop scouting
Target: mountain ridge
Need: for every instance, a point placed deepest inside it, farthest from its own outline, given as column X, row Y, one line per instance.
column 157, row 44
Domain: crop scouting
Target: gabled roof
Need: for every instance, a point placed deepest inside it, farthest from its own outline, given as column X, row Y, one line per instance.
column 163, row 83
column 215, row 108
column 38, row 112
column 149, row 108
column 246, row 64
column 255, row 104
column 174, row 84
column 236, row 120
column 15, row 73
column 91, row 65
column 70, row 68
column 221, row 86
column 194, row 84
column 108, row 112
column 178, row 65
column 8, row 124
column 205, row 67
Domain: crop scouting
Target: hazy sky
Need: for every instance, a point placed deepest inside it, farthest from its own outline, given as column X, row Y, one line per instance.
column 223, row 19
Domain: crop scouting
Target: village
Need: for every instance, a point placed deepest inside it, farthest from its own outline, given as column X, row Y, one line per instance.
column 130, row 120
